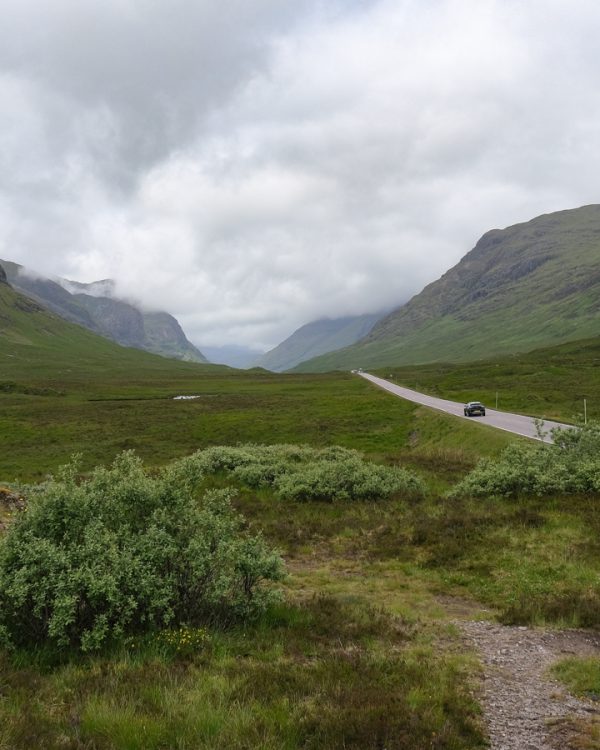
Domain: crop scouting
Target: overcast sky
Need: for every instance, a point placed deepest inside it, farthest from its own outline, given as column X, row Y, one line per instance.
column 250, row 166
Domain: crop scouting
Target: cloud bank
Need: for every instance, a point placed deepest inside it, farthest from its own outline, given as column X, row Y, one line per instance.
column 254, row 166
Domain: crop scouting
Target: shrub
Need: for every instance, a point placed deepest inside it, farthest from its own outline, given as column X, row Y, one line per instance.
column 304, row 473
column 125, row 552
column 350, row 479
column 570, row 466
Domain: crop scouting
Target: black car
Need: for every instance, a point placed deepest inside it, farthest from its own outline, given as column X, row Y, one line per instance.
column 474, row 409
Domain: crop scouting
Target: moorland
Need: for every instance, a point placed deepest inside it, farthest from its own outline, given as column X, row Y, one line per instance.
column 362, row 649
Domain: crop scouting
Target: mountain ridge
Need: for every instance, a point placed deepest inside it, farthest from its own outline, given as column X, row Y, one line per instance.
column 104, row 314
column 36, row 345
column 532, row 284
column 317, row 337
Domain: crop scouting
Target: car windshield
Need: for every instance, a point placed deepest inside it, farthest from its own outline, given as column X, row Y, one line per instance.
column 474, row 403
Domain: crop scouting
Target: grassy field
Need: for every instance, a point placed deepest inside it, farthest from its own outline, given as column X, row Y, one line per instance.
column 364, row 651
column 550, row 383
column 44, row 421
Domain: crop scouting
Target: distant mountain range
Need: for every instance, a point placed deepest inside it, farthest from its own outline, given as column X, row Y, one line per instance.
column 241, row 357
column 316, row 338
column 96, row 307
column 530, row 285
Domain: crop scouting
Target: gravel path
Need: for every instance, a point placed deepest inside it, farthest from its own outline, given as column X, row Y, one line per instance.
column 523, row 707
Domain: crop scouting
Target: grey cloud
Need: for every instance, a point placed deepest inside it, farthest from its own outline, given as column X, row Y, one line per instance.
column 253, row 166
column 136, row 79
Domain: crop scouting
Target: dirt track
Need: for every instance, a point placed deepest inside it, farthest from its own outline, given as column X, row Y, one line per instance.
column 524, row 709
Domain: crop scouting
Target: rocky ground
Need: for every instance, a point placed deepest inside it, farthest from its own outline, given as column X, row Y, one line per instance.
column 524, row 708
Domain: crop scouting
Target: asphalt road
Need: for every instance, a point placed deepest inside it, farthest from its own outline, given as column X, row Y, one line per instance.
column 502, row 420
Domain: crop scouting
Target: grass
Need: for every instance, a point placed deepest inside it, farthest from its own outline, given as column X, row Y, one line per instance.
column 104, row 415
column 550, row 383
column 363, row 654
column 530, row 561
column 326, row 673
column 581, row 676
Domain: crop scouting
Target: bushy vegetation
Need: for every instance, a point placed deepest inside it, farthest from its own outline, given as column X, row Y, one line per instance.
column 125, row 552
column 570, row 466
column 305, row 473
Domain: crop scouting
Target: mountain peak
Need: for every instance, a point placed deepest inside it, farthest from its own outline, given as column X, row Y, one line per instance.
column 102, row 288
column 530, row 285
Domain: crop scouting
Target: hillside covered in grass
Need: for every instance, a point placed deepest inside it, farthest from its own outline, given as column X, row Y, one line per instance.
column 37, row 344
column 95, row 307
column 520, row 288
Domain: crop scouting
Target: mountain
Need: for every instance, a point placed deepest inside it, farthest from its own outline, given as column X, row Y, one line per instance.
column 35, row 341
column 531, row 285
column 240, row 357
column 316, row 338
column 95, row 307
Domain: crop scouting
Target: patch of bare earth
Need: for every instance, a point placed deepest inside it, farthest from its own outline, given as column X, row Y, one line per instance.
column 524, row 708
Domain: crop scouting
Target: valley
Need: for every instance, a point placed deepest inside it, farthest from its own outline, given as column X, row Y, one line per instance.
column 293, row 300
column 369, row 619
column 400, row 561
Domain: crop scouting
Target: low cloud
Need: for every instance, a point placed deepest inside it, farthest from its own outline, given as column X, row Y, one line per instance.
column 252, row 167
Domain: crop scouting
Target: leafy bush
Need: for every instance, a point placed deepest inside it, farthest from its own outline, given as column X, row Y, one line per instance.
column 350, row 479
column 125, row 552
column 570, row 466
column 304, row 473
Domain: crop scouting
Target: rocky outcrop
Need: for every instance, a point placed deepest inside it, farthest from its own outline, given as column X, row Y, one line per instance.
column 3, row 279
column 95, row 307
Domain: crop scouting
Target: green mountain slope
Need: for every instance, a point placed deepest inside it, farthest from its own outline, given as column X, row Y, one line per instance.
column 316, row 338
column 531, row 285
column 34, row 342
column 95, row 307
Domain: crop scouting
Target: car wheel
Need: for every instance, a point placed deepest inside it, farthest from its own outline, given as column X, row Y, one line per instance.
column 483, row 413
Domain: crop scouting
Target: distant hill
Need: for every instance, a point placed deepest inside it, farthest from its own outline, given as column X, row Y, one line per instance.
column 241, row 357
column 316, row 338
column 95, row 307
column 530, row 285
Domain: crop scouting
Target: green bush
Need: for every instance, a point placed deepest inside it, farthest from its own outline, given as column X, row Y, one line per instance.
column 304, row 473
column 125, row 552
column 569, row 466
